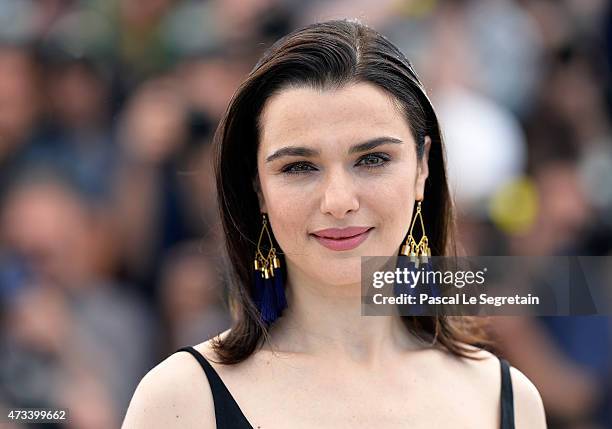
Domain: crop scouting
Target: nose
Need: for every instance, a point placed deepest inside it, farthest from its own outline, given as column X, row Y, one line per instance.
column 339, row 195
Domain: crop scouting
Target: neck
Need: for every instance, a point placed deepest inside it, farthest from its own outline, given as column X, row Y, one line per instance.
column 325, row 319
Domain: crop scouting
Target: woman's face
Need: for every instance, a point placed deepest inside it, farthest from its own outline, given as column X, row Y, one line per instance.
column 337, row 159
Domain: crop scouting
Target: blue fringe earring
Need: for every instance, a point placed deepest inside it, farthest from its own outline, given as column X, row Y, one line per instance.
column 268, row 279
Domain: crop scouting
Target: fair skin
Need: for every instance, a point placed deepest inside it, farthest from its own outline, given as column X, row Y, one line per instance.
column 325, row 365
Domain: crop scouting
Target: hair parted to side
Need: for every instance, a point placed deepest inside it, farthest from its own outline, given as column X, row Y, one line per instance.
column 325, row 55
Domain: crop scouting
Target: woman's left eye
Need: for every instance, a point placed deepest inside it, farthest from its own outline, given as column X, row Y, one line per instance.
column 374, row 160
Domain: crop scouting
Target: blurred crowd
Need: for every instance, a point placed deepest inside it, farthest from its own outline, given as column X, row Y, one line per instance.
column 110, row 246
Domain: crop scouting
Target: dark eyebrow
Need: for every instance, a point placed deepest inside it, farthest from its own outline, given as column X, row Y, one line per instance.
column 307, row 152
column 371, row 144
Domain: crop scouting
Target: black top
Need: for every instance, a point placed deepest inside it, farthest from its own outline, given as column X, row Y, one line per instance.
column 229, row 415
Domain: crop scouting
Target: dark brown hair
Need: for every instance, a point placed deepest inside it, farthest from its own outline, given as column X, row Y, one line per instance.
column 323, row 55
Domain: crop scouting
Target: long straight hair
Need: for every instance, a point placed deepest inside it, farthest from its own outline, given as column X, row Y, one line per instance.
column 325, row 55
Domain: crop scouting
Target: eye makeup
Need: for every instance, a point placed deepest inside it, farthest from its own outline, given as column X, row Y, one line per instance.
column 304, row 167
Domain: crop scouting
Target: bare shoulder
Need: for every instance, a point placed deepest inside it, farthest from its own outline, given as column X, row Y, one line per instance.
column 174, row 394
column 206, row 349
column 482, row 368
column 528, row 406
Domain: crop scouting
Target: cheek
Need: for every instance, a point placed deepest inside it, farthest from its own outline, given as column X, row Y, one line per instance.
column 288, row 212
column 392, row 196
column 391, row 204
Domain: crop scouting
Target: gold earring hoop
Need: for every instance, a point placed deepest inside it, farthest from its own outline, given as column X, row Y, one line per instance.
column 417, row 252
column 266, row 264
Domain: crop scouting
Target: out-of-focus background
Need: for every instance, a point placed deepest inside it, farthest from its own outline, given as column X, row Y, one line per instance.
column 109, row 240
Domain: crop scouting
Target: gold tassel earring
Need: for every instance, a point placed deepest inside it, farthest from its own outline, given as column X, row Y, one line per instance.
column 418, row 252
column 269, row 296
column 266, row 264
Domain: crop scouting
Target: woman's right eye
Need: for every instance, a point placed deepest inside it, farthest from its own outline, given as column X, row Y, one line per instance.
column 297, row 168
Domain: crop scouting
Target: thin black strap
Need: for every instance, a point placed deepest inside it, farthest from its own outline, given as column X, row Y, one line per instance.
column 507, row 399
column 228, row 414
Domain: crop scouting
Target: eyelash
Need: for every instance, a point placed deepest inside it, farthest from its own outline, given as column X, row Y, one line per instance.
column 382, row 156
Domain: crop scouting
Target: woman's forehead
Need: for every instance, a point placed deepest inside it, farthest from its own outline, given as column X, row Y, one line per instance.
column 352, row 113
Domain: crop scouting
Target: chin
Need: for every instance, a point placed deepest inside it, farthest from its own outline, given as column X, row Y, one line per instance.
column 341, row 273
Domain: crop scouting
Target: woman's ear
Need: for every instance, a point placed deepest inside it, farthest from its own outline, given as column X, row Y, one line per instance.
column 260, row 197
column 422, row 170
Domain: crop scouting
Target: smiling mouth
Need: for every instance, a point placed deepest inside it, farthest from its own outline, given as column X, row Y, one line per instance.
column 343, row 238
column 344, row 243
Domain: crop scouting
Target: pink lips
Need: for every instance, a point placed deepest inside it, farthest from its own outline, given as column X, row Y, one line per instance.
column 342, row 238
